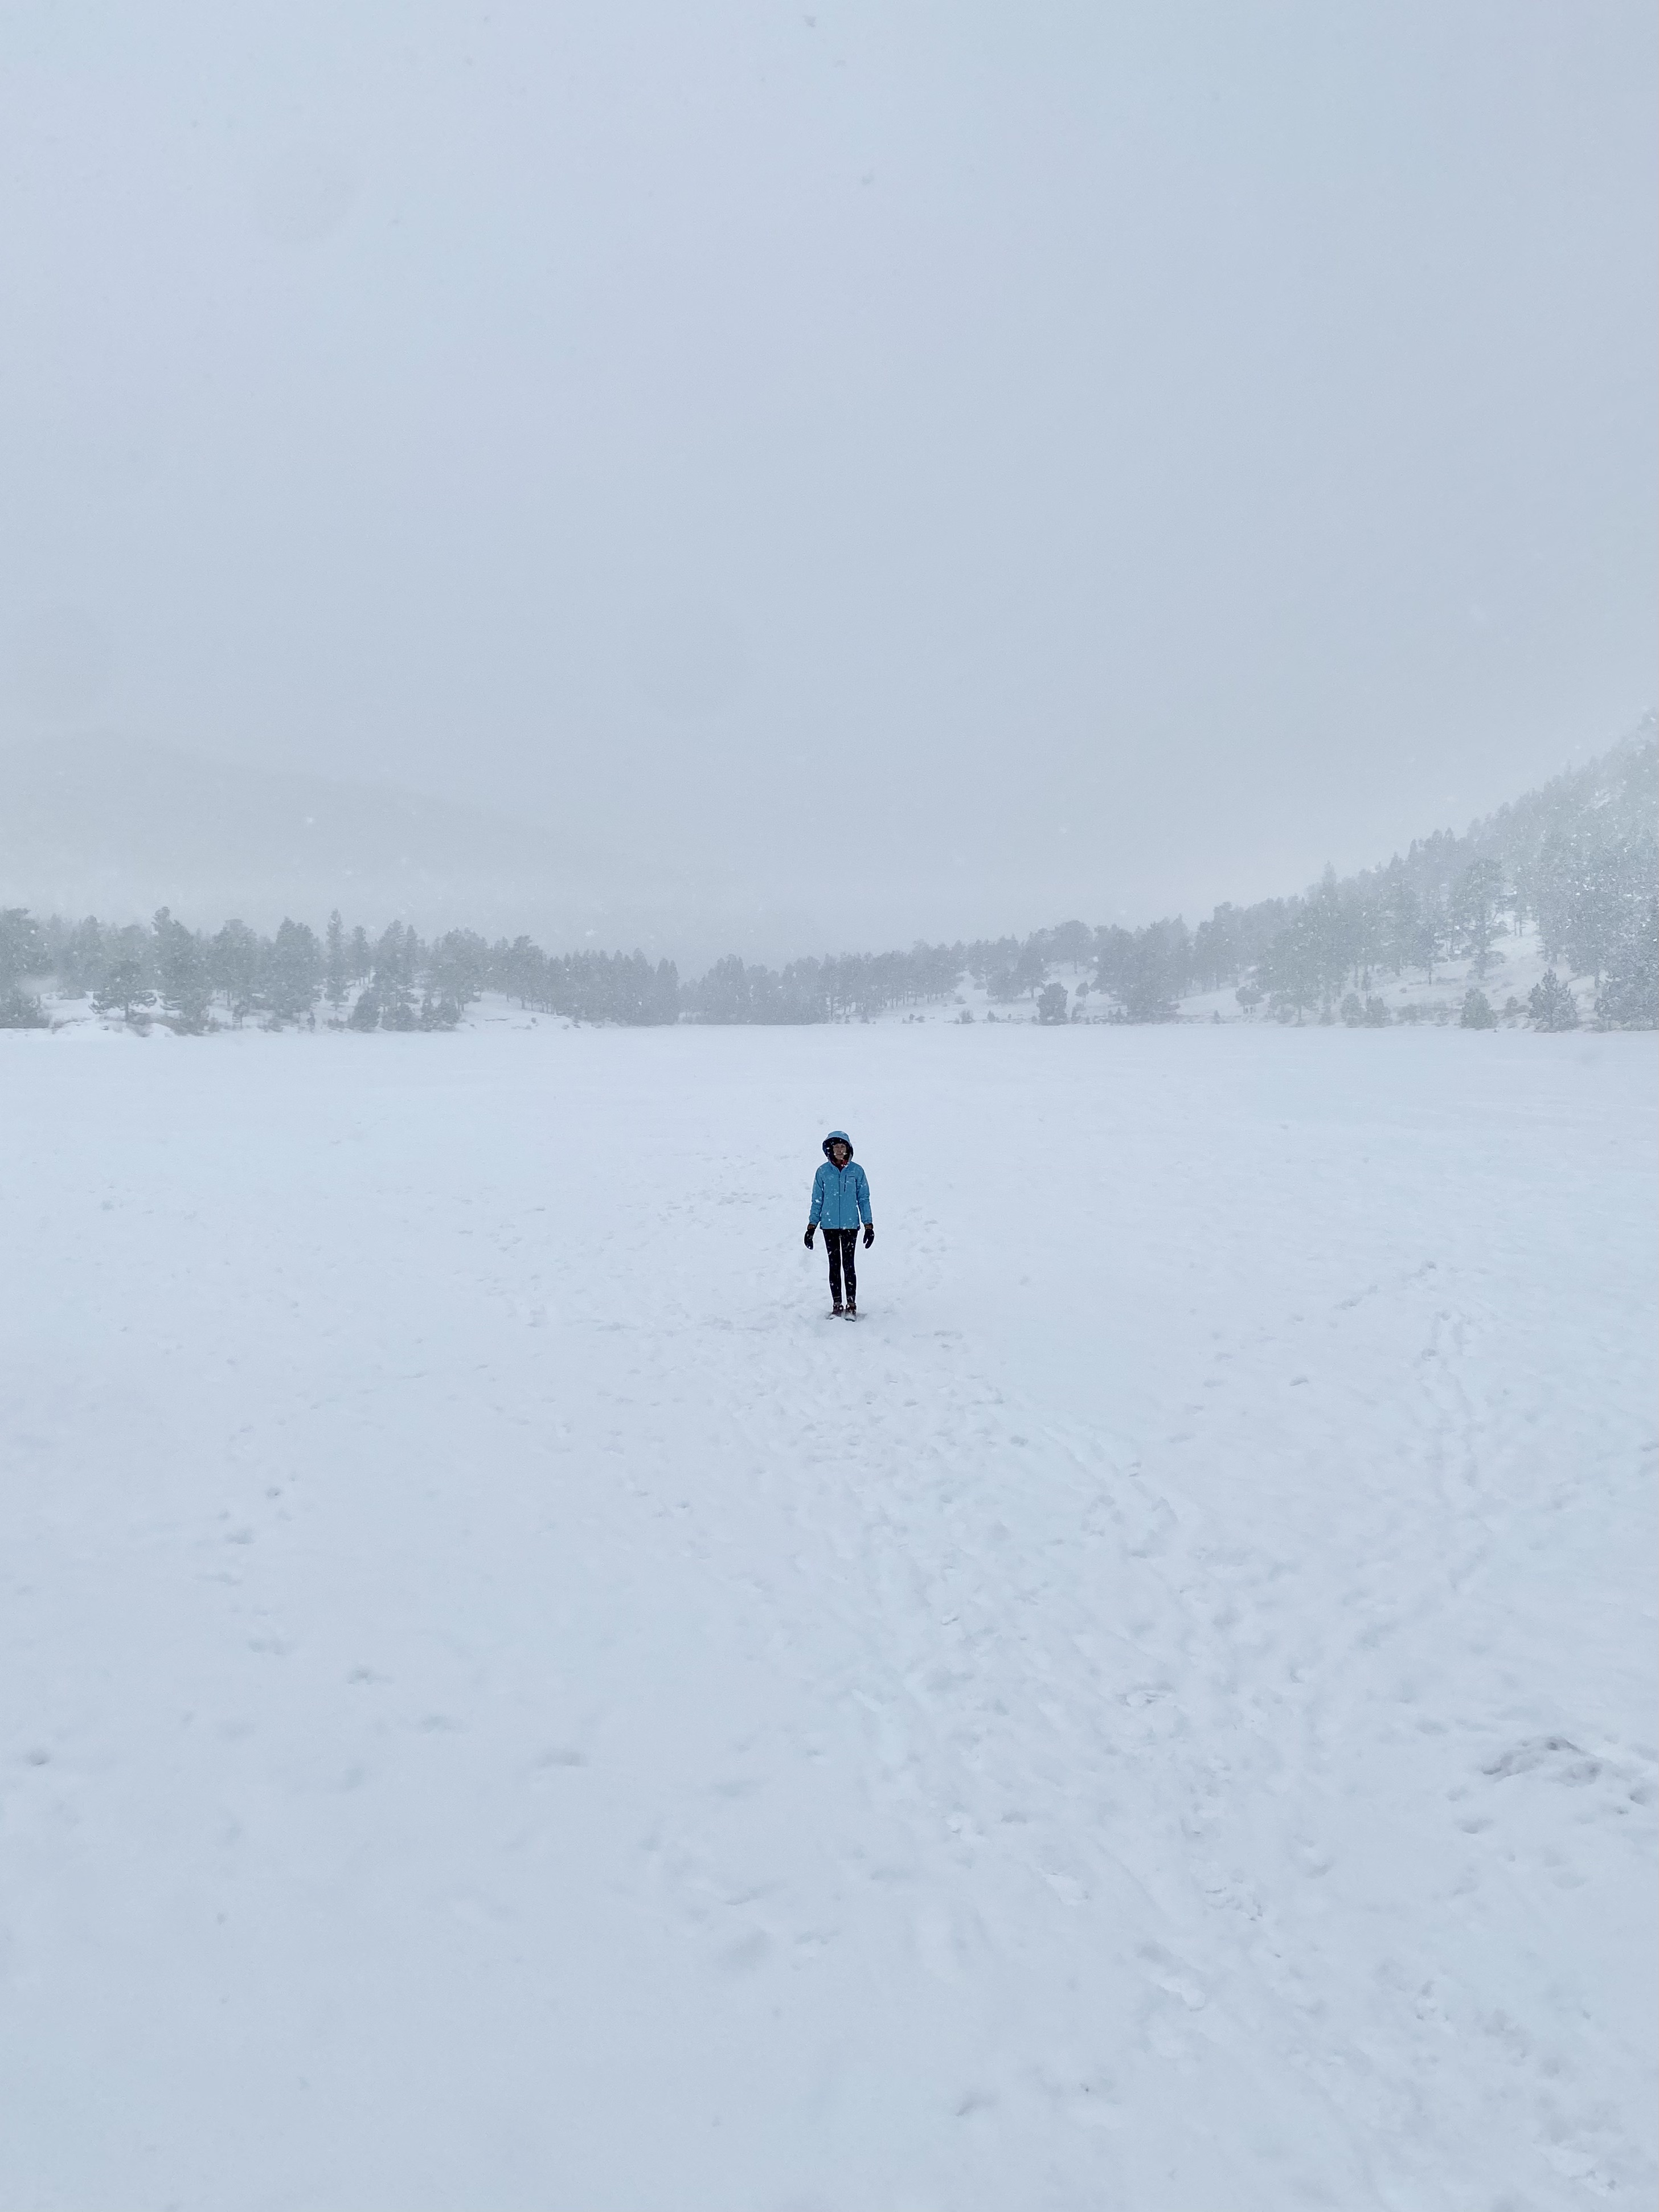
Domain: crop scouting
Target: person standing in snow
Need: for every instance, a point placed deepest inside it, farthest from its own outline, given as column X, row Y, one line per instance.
column 841, row 1201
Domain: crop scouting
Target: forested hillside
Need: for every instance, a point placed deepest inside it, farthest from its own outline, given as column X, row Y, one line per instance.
column 1575, row 864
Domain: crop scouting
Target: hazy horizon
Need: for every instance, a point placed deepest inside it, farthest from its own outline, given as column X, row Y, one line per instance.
column 470, row 869
column 866, row 473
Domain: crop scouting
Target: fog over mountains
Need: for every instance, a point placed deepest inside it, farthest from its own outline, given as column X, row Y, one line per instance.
column 115, row 827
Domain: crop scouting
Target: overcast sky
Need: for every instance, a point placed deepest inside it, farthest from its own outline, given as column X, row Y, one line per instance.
column 930, row 468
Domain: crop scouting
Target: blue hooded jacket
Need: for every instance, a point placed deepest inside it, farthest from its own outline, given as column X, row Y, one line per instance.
column 840, row 1196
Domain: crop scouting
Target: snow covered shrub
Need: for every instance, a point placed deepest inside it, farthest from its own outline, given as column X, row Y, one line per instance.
column 366, row 1014
column 1551, row 1004
column 1477, row 1012
column 1353, row 1010
column 1051, row 1003
column 1376, row 1015
column 18, row 1010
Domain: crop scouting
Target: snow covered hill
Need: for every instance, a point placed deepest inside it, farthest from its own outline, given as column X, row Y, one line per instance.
column 503, row 1705
column 1507, row 975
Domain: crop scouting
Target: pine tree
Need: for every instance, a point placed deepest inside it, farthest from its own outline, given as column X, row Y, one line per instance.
column 293, row 974
column 1293, row 967
column 1474, row 909
column 1402, row 920
column 236, row 963
column 336, row 973
column 81, row 961
column 22, row 946
column 184, row 970
column 1551, row 1004
column 124, row 990
column 23, row 953
column 1629, row 996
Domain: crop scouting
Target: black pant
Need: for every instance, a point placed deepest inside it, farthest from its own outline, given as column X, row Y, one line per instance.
column 842, row 1244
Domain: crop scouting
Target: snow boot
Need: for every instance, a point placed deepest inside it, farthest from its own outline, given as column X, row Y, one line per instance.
column 837, row 1310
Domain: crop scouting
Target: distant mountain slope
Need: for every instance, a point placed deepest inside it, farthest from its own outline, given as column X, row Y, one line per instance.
column 114, row 827
column 118, row 827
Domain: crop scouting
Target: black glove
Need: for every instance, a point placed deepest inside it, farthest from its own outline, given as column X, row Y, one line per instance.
column 869, row 1234
column 807, row 1239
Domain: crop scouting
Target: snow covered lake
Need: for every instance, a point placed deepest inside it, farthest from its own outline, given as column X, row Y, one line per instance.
column 504, row 1707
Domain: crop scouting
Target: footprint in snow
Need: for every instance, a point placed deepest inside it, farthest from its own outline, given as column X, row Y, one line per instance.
column 1564, row 1758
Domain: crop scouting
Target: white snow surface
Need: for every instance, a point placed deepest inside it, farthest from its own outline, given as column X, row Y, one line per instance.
column 504, row 1704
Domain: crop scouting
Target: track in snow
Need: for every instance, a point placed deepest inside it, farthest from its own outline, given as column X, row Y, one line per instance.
column 503, row 1707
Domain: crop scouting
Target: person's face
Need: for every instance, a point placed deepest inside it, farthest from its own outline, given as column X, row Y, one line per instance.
column 840, row 1155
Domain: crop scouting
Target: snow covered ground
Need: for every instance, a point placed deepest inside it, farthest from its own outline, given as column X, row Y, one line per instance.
column 1513, row 966
column 503, row 1705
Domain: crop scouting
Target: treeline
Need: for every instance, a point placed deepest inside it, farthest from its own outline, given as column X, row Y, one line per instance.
column 397, row 981
column 1578, row 860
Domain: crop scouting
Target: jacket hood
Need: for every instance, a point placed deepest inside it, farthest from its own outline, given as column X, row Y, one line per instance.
column 838, row 1136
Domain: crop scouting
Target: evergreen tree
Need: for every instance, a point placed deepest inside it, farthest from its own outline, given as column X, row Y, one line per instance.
column 184, row 973
column 1551, row 1004
column 236, row 964
column 393, row 999
column 1629, row 996
column 1475, row 908
column 292, row 976
column 22, row 946
column 1402, row 920
column 22, row 954
column 123, row 990
column 457, row 969
column 723, row 995
column 337, row 970
column 1145, row 971
column 437, row 1013
column 396, row 956
column 1294, row 968
column 81, row 961
column 1430, row 937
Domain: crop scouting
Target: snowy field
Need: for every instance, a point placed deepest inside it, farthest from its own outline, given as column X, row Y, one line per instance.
column 507, row 1708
